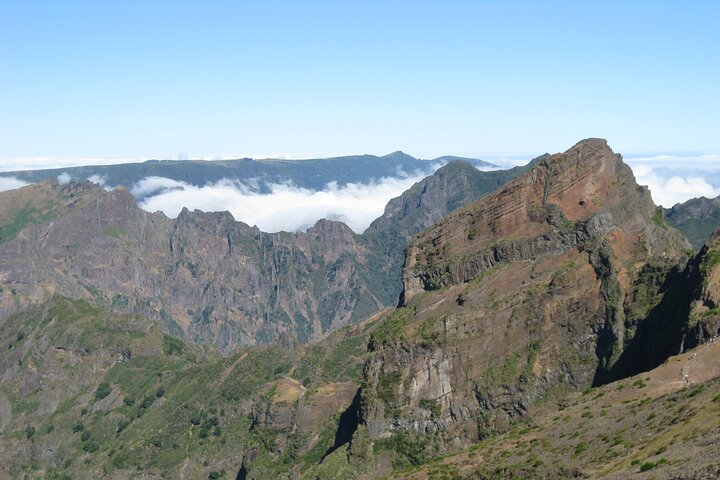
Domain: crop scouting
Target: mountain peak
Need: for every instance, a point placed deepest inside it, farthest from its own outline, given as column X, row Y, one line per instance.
column 399, row 154
column 475, row 162
column 455, row 165
column 590, row 144
column 586, row 191
column 597, row 141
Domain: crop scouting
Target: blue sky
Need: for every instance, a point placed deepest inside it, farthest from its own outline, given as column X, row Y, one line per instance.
column 141, row 79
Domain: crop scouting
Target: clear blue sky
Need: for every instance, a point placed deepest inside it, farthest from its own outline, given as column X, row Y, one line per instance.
column 155, row 78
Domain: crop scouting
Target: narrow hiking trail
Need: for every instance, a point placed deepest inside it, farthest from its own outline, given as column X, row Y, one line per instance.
column 226, row 373
column 699, row 365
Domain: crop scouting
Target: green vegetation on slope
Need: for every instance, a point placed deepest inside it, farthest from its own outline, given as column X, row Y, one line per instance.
column 110, row 394
column 697, row 218
column 22, row 218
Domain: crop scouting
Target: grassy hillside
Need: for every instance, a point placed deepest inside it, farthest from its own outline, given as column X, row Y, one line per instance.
column 89, row 393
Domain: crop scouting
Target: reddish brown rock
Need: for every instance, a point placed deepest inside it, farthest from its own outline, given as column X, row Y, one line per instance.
column 521, row 295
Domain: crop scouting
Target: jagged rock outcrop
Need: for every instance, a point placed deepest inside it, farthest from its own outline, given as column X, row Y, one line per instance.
column 565, row 278
column 704, row 319
column 519, row 296
column 671, row 309
column 205, row 276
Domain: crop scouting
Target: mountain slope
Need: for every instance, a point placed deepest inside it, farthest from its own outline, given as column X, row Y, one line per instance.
column 451, row 187
column 648, row 426
column 533, row 290
column 203, row 275
column 422, row 205
column 660, row 424
column 564, row 280
column 697, row 218
column 86, row 393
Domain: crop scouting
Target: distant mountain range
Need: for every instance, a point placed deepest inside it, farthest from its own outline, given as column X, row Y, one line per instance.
column 697, row 218
column 312, row 174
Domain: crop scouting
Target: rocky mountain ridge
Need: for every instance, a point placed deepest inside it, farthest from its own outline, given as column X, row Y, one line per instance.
column 540, row 287
column 205, row 276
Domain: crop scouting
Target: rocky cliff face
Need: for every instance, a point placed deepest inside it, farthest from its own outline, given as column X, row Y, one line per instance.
column 205, row 276
column 531, row 290
column 425, row 203
column 703, row 276
column 564, row 278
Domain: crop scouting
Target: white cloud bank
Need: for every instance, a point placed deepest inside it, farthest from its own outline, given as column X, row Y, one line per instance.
column 286, row 207
column 11, row 183
column 149, row 186
column 708, row 162
column 667, row 190
column 100, row 180
column 64, row 178
column 671, row 179
column 291, row 208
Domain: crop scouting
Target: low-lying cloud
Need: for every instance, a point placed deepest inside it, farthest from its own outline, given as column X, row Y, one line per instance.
column 100, row 180
column 64, row 178
column 150, row 186
column 11, row 183
column 668, row 188
column 708, row 162
column 290, row 208
column 287, row 207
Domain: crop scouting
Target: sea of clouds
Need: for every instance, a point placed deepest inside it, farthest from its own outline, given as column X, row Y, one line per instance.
column 284, row 206
column 10, row 183
column 290, row 208
column 676, row 179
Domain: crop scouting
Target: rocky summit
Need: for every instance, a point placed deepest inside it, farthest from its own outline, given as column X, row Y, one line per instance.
column 530, row 290
column 539, row 322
